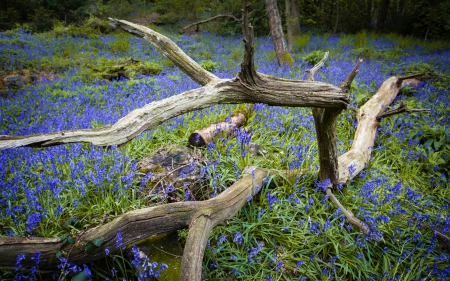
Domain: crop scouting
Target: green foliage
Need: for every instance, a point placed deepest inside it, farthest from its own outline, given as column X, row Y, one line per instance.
column 286, row 58
column 436, row 143
column 120, row 45
column 209, row 65
column 302, row 40
column 314, row 57
column 110, row 69
column 361, row 39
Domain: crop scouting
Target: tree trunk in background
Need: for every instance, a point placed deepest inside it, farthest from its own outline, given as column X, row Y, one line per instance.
column 337, row 18
column 290, row 36
column 382, row 14
column 295, row 16
column 292, row 21
column 276, row 31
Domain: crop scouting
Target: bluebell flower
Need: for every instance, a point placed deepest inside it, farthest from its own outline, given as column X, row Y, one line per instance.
column 221, row 239
column 37, row 257
column 119, row 240
column 19, row 259
column 238, row 238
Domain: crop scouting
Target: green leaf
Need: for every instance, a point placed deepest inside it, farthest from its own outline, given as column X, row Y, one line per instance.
column 98, row 242
column 437, row 144
column 71, row 240
column 71, row 221
column 80, row 276
column 90, row 247
column 58, row 254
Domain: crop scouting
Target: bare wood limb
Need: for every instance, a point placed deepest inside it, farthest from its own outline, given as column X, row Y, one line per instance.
column 169, row 49
column 345, row 85
column 400, row 109
column 225, row 91
column 248, row 74
column 139, row 224
column 206, row 135
column 357, row 158
column 325, row 121
column 247, row 87
column 401, row 79
column 311, row 72
column 202, row 224
column 349, row 215
column 184, row 29
column 325, row 124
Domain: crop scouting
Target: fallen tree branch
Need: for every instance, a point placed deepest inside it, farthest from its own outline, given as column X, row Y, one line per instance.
column 224, row 91
column 183, row 30
column 349, row 215
column 400, row 109
column 137, row 225
column 357, row 158
column 206, row 135
column 325, row 124
column 169, row 49
column 247, row 87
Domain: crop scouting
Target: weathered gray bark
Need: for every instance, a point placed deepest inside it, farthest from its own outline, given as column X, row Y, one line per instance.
column 276, row 31
column 248, row 87
column 139, row 224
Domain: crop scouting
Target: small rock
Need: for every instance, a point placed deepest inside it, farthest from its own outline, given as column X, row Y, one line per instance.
column 256, row 149
column 15, row 81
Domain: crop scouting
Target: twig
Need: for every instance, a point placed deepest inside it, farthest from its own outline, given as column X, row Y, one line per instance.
column 400, row 109
column 166, row 175
column 349, row 215
column 403, row 78
column 178, row 257
column 345, row 86
column 183, row 30
column 311, row 72
column 68, row 254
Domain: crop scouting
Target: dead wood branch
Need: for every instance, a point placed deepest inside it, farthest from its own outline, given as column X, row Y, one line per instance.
column 169, row 49
column 247, row 87
column 400, row 109
column 139, row 224
column 357, row 158
column 184, row 29
column 325, row 124
column 349, row 215
column 206, row 135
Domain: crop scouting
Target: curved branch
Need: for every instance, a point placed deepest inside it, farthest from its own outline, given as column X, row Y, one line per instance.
column 225, row 91
column 169, row 49
column 138, row 224
column 357, row 158
column 183, row 30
